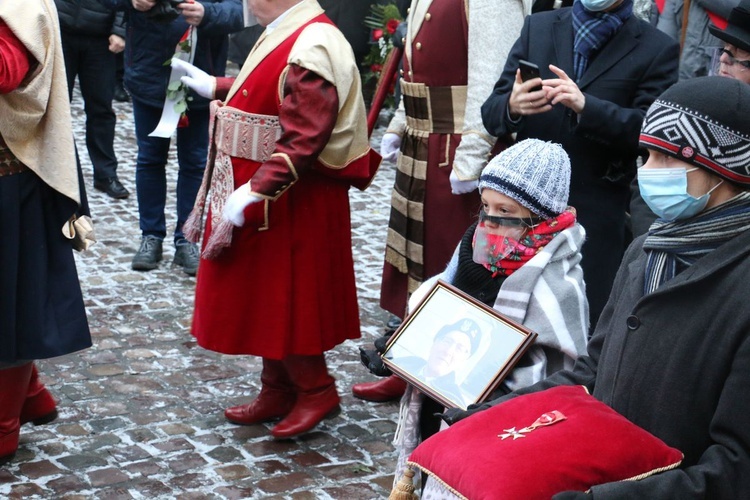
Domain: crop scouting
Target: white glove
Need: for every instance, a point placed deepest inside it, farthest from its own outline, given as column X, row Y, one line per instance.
column 235, row 206
column 389, row 146
column 201, row 82
column 462, row 187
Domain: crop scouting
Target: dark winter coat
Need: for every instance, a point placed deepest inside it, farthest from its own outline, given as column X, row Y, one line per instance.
column 89, row 17
column 620, row 83
column 677, row 363
column 149, row 45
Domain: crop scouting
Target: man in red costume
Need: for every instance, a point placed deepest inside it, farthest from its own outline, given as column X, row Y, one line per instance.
column 452, row 51
column 276, row 278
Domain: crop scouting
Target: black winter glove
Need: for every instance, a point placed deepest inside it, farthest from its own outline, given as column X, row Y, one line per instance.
column 373, row 362
column 164, row 11
column 453, row 415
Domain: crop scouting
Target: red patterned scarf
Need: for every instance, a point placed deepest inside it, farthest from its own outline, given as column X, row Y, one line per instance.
column 529, row 245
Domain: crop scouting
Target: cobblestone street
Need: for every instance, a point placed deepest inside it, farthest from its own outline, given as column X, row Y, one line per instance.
column 141, row 412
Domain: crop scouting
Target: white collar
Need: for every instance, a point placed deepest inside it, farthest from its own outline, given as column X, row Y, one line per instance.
column 275, row 23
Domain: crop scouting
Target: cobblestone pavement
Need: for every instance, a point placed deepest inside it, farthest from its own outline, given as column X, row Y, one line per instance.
column 141, row 411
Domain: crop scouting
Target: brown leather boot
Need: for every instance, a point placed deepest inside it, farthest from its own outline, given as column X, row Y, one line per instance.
column 275, row 400
column 386, row 389
column 40, row 407
column 317, row 398
column 13, row 385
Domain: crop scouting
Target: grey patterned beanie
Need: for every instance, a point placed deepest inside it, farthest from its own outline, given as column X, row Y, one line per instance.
column 705, row 122
column 534, row 173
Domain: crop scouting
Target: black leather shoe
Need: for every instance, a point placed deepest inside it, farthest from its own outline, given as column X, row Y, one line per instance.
column 112, row 187
column 186, row 255
column 148, row 255
column 121, row 95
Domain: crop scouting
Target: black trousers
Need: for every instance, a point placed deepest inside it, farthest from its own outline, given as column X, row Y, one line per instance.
column 88, row 58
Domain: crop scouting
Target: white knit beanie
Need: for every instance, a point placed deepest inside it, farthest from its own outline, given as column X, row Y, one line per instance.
column 534, row 173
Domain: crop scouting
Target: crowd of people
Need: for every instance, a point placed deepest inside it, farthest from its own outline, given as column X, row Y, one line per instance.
column 602, row 204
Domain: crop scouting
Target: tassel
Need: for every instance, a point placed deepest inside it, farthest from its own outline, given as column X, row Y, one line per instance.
column 404, row 490
column 221, row 238
column 193, row 226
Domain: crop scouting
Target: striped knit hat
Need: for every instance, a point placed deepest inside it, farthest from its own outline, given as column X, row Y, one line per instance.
column 534, row 173
column 705, row 122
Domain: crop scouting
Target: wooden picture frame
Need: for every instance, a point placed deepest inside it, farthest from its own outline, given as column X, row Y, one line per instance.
column 454, row 348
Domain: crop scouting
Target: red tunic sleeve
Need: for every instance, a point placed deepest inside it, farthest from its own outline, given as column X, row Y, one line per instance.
column 307, row 116
column 223, row 86
column 14, row 60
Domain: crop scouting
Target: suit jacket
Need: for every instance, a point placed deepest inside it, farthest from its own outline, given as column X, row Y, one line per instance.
column 620, row 83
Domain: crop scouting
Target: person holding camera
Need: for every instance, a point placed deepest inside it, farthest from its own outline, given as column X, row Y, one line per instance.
column 156, row 29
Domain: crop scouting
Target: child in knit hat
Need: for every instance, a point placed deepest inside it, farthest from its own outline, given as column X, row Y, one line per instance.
column 520, row 257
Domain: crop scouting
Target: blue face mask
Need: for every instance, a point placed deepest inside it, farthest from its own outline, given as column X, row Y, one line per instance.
column 597, row 5
column 665, row 192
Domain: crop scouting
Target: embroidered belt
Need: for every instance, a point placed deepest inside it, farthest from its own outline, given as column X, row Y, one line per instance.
column 438, row 110
column 9, row 164
column 246, row 135
column 233, row 133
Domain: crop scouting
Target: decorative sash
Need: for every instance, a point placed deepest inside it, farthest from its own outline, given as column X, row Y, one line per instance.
column 435, row 110
column 429, row 110
column 232, row 134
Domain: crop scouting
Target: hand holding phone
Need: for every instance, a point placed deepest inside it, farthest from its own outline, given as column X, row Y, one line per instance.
column 529, row 71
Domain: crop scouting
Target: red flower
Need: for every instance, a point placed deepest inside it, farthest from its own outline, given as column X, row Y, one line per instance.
column 375, row 68
column 183, row 121
column 377, row 35
column 391, row 25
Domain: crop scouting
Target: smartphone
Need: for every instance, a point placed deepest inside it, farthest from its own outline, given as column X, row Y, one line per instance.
column 529, row 71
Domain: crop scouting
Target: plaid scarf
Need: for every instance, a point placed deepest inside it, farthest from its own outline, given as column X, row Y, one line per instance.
column 593, row 30
column 530, row 244
column 674, row 246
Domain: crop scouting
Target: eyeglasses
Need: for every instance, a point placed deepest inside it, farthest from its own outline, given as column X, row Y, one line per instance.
column 731, row 60
column 517, row 222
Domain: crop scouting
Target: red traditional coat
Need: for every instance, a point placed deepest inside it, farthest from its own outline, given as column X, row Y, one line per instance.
column 286, row 284
column 436, row 56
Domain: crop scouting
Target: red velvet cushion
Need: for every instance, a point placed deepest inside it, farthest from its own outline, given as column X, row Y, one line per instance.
column 592, row 445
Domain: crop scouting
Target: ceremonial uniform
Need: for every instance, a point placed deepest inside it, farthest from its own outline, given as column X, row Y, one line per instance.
column 42, row 313
column 451, row 55
column 293, row 126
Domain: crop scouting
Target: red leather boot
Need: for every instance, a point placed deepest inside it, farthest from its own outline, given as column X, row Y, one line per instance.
column 40, row 407
column 317, row 398
column 386, row 389
column 275, row 400
column 13, row 384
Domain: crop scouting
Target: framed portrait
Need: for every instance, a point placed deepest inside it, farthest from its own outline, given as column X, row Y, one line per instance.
column 454, row 348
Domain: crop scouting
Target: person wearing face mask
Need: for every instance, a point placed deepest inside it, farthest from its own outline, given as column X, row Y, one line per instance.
column 671, row 352
column 526, row 243
column 601, row 68
column 734, row 57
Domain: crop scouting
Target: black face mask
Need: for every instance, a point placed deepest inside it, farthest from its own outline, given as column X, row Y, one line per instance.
column 164, row 12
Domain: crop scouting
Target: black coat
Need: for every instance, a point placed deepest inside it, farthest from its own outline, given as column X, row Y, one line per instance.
column 620, row 83
column 89, row 17
column 677, row 363
column 150, row 44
